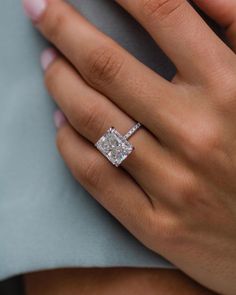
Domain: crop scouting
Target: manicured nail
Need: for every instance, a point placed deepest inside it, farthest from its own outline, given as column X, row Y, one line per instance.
column 34, row 8
column 59, row 119
column 47, row 57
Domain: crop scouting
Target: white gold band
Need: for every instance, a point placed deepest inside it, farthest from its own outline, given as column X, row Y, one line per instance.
column 132, row 131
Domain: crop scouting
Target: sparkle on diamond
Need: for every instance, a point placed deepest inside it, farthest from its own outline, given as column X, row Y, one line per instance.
column 114, row 146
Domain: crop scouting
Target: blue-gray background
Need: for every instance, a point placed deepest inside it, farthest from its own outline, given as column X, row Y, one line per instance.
column 46, row 219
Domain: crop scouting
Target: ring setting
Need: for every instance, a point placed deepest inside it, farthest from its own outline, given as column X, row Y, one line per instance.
column 116, row 147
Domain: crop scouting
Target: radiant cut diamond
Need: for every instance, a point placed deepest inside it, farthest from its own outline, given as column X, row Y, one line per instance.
column 114, row 146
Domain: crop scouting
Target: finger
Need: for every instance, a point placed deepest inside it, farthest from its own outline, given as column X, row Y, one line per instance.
column 136, row 89
column 223, row 12
column 92, row 114
column 112, row 188
column 182, row 34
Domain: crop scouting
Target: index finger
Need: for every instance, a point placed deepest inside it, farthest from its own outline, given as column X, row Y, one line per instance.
column 182, row 34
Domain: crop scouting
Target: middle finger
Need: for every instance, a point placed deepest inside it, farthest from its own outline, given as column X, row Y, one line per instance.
column 136, row 89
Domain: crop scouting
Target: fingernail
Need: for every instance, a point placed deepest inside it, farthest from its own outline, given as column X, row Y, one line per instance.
column 59, row 119
column 47, row 57
column 34, row 8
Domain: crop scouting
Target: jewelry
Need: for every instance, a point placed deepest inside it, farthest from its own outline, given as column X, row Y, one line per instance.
column 116, row 147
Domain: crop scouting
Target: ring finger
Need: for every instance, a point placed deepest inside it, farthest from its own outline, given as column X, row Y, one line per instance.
column 114, row 189
column 91, row 114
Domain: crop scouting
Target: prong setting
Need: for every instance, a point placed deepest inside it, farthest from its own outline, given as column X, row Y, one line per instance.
column 114, row 146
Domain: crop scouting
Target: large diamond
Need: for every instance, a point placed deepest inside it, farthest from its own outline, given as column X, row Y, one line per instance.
column 114, row 146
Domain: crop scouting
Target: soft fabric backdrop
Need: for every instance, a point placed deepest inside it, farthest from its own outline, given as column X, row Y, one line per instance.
column 46, row 219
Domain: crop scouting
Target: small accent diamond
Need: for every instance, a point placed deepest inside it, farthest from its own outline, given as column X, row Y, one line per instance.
column 114, row 146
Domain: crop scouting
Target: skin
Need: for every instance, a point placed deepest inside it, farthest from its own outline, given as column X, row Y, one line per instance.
column 182, row 202
column 112, row 281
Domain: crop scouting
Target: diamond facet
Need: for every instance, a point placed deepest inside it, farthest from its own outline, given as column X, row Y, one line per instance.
column 114, row 146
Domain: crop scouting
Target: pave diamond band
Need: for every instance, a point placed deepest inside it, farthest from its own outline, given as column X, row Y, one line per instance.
column 132, row 131
column 116, row 147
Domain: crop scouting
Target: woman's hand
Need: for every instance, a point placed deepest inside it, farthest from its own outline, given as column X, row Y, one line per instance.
column 177, row 191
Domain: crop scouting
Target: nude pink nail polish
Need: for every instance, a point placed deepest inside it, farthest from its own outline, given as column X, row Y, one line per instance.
column 59, row 119
column 34, row 8
column 47, row 57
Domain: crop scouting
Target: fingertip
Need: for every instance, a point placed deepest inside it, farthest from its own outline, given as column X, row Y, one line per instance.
column 59, row 119
column 47, row 57
column 34, row 8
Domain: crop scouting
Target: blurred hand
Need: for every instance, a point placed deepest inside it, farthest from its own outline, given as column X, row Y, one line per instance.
column 115, row 281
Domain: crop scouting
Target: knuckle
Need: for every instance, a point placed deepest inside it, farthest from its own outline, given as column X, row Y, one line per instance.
column 104, row 64
column 201, row 143
column 91, row 118
column 160, row 9
column 172, row 232
column 161, row 230
column 220, row 85
column 187, row 191
column 225, row 93
column 90, row 174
